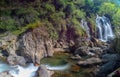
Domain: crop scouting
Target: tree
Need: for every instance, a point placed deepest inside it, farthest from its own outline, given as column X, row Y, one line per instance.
column 107, row 8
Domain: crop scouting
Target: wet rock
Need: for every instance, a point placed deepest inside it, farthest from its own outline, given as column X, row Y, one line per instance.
column 14, row 59
column 5, row 74
column 107, row 68
column 90, row 61
column 111, row 57
column 43, row 72
column 82, row 51
column 96, row 50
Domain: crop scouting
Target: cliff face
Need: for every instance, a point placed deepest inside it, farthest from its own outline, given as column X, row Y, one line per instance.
column 34, row 44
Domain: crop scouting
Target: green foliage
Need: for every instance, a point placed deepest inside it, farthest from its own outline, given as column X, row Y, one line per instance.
column 116, row 18
column 49, row 7
column 79, row 3
column 25, row 11
column 60, row 4
column 51, row 30
column 5, row 12
column 107, row 8
column 7, row 24
column 79, row 14
column 29, row 26
column 70, row 8
column 78, row 29
column 57, row 17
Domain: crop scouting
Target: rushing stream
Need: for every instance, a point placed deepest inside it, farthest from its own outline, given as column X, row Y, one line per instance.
column 29, row 70
column 56, row 63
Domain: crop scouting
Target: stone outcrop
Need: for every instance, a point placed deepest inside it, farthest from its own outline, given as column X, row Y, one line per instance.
column 34, row 45
column 8, row 43
column 90, row 61
column 43, row 72
column 14, row 60
column 88, row 51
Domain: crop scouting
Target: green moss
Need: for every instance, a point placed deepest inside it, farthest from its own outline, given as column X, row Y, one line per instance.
column 29, row 26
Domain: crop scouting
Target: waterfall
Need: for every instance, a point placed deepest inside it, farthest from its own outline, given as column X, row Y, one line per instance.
column 84, row 25
column 105, row 32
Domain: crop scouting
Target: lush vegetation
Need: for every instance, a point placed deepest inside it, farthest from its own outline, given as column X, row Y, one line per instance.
column 19, row 15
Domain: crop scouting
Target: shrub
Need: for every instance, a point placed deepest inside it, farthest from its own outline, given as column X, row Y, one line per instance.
column 107, row 8
column 78, row 29
column 7, row 24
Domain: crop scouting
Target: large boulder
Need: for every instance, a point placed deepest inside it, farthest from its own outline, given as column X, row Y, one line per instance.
column 90, row 61
column 14, row 59
column 82, row 51
column 107, row 68
column 111, row 57
column 43, row 72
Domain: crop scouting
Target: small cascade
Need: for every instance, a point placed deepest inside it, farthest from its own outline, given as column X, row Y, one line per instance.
column 29, row 70
column 20, row 71
column 58, row 68
column 105, row 32
column 84, row 25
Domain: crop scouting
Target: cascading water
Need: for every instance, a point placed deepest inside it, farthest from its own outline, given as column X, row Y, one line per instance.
column 104, row 28
column 84, row 25
column 58, row 68
column 29, row 70
column 20, row 71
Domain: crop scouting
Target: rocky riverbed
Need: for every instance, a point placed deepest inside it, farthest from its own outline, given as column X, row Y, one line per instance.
column 88, row 58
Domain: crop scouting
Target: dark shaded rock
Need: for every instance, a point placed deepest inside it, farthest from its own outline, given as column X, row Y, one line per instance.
column 82, row 51
column 111, row 57
column 107, row 68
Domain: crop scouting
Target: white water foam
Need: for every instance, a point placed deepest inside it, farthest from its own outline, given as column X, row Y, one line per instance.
column 58, row 68
column 20, row 71
column 104, row 28
column 29, row 70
